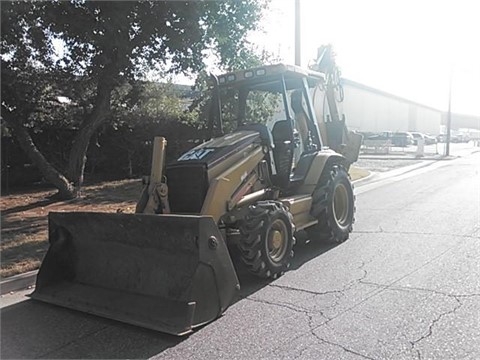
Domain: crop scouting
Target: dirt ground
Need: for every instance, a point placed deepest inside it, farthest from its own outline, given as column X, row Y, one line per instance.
column 24, row 218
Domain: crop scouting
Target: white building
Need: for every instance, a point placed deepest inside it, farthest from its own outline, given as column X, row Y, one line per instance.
column 372, row 110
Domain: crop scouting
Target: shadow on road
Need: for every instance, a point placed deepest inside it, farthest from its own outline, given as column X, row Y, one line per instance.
column 32, row 329
column 303, row 254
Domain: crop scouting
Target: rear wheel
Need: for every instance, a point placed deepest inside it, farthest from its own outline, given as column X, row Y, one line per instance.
column 333, row 206
column 266, row 239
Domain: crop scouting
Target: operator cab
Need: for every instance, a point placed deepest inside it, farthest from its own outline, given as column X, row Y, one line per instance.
column 274, row 101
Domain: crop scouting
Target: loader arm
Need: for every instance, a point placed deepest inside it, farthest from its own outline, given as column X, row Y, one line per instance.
column 336, row 134
column 154, row 198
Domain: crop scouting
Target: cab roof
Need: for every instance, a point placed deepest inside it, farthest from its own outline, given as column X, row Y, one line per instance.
column 267, row 77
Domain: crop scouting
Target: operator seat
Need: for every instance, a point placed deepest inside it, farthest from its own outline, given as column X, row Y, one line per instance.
column 282, row 153
column 301, row 117
column 308, row 150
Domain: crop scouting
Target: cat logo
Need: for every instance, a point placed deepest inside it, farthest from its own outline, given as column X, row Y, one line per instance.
column 196, row 154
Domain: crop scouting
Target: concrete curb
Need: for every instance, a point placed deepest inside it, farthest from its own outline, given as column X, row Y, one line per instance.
column 436, row 157
column 18, row 282
column 378, row 176
column 364, row 179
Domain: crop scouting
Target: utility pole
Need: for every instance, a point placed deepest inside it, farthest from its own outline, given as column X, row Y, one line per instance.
column 449, row 114
column 298, row 60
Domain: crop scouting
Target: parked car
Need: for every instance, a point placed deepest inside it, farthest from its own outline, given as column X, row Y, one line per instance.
column 417, row 136
column 465, row 138
column 457, row 138
column 402, row 139
column 385, row 135
column 442, row 138
column 429, row 139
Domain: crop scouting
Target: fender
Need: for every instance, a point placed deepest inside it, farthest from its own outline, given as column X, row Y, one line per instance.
column 322, row 161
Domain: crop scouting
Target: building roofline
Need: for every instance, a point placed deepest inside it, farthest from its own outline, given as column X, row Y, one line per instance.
column 384, row 93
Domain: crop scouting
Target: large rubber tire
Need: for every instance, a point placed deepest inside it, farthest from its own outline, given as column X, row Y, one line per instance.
column 333, row 206
column 266, row 239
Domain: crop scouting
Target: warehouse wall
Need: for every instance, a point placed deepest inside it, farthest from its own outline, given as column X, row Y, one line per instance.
column 460, row 121
column 369, row 109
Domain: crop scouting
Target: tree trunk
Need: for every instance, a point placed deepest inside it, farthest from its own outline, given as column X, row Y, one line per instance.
column 78, row 153
column 130, row 165
column 65, row 189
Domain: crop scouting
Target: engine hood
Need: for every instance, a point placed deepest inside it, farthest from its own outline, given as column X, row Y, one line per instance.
column 216, row 150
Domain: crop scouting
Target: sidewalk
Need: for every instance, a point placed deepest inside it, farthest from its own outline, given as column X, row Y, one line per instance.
column 404, row 156
column 410, row 151
column 400, row 157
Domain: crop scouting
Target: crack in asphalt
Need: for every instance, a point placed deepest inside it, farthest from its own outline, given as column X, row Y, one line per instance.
column 345, row 348
column 432, row 324
column 379, row 289
column 336, row 293
column 299, row 356
column 312, row 332
column 298, row 309
column 327, row 292
column 308, row 313
column 429, row 331
column 291, row 288
column 373, row 293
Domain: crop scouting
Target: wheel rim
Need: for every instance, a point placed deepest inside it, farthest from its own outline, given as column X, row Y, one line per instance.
column 340, row 205
column 277, row 240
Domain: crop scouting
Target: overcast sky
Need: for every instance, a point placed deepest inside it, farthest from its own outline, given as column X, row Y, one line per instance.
column 403, row 47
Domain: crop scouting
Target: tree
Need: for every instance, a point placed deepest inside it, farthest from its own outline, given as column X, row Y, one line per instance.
column 107, row 44
column 139, row 113
column 263, row 105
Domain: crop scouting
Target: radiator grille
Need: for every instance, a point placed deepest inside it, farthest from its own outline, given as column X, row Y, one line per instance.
column 187, row 188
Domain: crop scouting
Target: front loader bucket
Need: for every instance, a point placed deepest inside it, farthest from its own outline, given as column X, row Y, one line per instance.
column 169, row 273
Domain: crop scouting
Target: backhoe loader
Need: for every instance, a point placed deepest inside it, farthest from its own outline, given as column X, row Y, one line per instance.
column 282, row 169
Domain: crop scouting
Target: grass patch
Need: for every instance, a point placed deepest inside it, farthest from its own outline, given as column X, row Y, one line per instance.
column 25, row 224
column 358, row 173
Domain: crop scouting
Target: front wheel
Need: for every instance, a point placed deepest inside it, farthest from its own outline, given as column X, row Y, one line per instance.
column 266, row 239
column 334, row 205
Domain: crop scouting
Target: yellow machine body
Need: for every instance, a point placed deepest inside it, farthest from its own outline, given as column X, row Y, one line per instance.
column 168, row 267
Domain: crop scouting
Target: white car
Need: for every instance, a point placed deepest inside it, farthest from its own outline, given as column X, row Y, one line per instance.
column 417, row 136
column 429, row 139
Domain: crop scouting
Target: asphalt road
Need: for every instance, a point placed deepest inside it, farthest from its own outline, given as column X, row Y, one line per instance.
column 405, row 286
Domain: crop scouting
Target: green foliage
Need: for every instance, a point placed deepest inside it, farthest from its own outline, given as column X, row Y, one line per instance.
column 112, row 41
column 124, row 37
column 261, row 108
column 92, row 51
column 140, row 101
